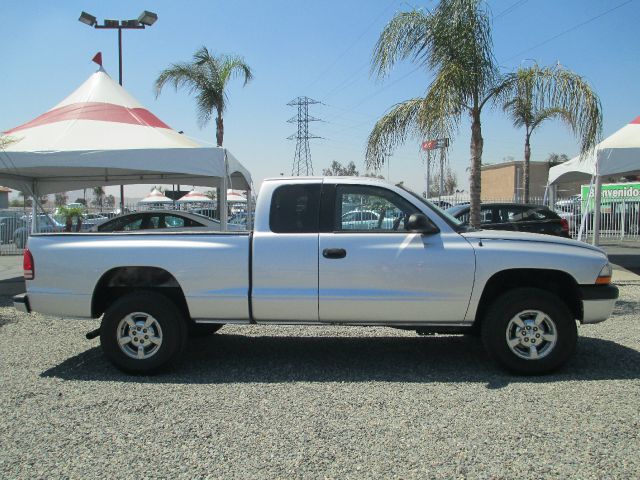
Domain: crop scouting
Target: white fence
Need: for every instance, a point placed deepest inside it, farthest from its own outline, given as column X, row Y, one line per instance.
column 619, row 219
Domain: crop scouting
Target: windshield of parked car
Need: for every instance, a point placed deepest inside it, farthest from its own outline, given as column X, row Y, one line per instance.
column 451, row 220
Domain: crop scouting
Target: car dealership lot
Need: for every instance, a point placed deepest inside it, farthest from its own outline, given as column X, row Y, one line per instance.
column 317, row 402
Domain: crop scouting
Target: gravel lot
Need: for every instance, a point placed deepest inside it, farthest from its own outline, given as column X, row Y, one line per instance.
column 290, row 402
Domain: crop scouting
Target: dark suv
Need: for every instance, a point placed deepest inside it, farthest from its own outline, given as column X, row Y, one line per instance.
column 516, row 216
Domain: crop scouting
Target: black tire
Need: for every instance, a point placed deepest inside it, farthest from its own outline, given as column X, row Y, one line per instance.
column 172, row 327
column 497, row 320
column 203, row 330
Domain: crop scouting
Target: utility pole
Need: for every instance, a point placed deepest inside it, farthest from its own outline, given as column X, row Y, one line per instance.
column 302, row 159
column 439, row 144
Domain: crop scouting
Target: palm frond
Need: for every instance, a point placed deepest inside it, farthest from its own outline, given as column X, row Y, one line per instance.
column 234, row 67
column 184, row 75
column 392, row 130
column 406, row 35
column 552, row 112
column 534, row 94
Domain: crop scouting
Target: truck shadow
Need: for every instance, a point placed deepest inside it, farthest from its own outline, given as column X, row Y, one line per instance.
column 223, row 359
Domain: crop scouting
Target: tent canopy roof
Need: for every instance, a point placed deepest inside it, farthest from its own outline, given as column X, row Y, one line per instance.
column 101, row 135
column 619, row 154
column 156, row 196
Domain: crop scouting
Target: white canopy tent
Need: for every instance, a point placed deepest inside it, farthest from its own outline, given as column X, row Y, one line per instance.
column 156, row 197
column 195, row 197
column 617, row 155
column 101, row 135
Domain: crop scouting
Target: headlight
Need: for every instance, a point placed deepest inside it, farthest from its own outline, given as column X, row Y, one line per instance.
column 604, row 277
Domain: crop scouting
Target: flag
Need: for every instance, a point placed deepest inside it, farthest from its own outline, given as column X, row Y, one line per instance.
column 97, row 58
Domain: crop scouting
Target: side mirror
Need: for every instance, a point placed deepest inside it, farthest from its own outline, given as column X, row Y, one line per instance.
column 418, row 222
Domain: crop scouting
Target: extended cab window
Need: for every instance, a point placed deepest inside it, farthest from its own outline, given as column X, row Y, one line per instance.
column 295, row 209
column 367, row 208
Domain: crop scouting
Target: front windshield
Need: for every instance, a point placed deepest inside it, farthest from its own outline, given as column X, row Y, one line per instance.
column 450, row 219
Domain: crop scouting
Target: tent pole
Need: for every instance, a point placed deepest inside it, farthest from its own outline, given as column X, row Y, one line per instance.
column 597, row 200
column 223, row 195
column 34, row 208
column 597, row 204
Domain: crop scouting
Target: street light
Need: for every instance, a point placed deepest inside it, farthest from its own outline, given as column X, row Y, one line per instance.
column 146, row 19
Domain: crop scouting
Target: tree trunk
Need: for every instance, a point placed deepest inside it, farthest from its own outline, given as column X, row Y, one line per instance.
column 219, row 129
column 476, row 163
column 526, row 168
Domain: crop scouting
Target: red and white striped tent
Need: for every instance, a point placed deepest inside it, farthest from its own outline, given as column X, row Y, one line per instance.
column 156, row 197
column 195, row 197
column 101, row 135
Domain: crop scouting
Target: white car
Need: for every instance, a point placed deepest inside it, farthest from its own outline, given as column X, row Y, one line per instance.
column 170, row 220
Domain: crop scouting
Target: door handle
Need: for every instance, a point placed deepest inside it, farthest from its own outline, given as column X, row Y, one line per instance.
column 334, row 253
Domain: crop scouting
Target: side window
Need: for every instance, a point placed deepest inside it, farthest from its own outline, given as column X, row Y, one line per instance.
column 132, row 224
column 513, row 214
column 486, row 215
column 366, row 208
column 295, row 209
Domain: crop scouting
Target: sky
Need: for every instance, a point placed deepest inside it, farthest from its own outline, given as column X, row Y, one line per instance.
column 321, row 49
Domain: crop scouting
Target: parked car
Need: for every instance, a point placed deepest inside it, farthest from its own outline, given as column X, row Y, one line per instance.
column 522, row 293
column 45, row 224
column 173, row 220
column 515, row 216
column 90, row 220
column 370, row 220
column 239, row 218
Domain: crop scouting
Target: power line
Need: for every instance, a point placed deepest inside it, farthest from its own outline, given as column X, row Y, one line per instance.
column 345, row 51
column 510, row 9
column 569, row 30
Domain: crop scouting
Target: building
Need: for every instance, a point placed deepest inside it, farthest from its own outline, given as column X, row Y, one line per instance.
column 503, row 181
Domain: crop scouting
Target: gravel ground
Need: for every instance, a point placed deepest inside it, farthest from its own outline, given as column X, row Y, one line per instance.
column 291, row 402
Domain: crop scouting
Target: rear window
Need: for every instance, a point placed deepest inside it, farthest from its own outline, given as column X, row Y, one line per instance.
column 295, row 209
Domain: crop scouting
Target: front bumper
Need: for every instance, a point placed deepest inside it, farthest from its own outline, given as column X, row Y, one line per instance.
column 21, row 303
column 598, row 302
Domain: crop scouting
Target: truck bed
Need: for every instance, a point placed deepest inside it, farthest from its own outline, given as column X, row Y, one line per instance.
column 217, row 275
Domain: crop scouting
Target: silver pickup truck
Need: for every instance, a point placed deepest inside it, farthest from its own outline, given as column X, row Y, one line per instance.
column 308, row 261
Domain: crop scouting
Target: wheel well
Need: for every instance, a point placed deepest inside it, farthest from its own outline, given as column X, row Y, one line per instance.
column 123, row 280
column 554, row 281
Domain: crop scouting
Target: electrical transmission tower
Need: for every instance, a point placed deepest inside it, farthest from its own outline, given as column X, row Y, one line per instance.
column 302, row 158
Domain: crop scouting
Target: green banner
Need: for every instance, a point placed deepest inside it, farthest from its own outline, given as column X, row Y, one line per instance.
column 613, row 193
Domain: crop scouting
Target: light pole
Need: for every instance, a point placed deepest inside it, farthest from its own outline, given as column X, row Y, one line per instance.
column 146, row 19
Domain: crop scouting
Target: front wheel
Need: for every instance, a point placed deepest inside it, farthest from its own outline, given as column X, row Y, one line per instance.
column 143, row 332
column 529, row 331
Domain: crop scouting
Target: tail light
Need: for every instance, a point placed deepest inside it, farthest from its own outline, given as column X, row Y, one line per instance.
column 28, row 265
column 565, row 225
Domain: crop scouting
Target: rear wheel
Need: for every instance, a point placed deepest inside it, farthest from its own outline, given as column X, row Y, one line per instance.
column 529, row 331
column 143, row 332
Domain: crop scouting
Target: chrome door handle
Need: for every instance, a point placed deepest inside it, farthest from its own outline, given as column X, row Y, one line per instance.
column 334, row 253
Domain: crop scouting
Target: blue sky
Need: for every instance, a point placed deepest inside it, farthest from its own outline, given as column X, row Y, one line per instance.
column 321, row 49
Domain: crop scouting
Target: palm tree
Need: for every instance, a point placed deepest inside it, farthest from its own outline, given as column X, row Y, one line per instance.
column 454, row 41
column 533, row 95
column 207, row 77
column 99, row 193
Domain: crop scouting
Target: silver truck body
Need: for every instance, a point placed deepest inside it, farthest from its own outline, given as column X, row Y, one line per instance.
column 400, row 278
